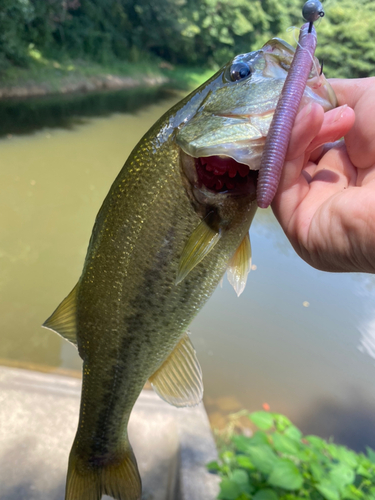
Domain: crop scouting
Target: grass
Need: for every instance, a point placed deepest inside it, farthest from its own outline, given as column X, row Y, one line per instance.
column 53, row 74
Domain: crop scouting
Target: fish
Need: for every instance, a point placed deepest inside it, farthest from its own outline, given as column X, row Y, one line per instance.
column 176, row 218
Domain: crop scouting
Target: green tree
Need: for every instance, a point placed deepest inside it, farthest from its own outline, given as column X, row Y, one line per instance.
column 15, row 16
column 346, row 38
column 212, row 31
column 199, row 32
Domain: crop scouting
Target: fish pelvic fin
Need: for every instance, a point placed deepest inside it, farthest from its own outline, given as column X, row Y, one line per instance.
column 117, row 477
column 179, row 379
column 64, row 319
column 240, row 266
column 201, row 242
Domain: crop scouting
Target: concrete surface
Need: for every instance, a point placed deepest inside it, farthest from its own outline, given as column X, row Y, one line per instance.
column 38, row 419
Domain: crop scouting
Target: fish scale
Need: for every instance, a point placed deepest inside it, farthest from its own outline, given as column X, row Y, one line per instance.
column 161, row 243
column 130, row 288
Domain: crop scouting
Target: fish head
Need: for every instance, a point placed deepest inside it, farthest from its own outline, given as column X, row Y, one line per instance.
column 222, row 141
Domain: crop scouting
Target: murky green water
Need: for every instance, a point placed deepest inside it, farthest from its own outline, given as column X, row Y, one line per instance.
column 297, row 339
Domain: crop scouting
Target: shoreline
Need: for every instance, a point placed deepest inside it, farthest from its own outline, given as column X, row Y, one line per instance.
column 78, row 85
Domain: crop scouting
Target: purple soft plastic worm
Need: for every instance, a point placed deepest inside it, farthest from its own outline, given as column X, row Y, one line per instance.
column 278, row 137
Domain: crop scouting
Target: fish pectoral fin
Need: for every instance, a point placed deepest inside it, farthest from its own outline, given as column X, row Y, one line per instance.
column 201, row 242
column 179, row 379
column 115, row 475
column 240, row 266
column 63, row 320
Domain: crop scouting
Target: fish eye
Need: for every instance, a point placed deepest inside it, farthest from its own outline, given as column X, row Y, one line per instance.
column 239, row 71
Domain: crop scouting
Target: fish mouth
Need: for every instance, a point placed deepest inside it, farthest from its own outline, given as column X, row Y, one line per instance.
column 219, row 174
column 278, row 56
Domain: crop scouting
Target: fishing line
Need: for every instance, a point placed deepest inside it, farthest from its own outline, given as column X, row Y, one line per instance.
column 294, row 29
column 313, row 59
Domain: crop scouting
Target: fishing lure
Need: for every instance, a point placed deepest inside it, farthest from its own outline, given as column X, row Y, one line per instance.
column 278, row 137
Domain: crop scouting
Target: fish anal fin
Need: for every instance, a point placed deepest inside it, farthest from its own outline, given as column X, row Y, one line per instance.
column 117, row 477
column 240, row 266
column 179, row 379
column 64, row 319
column 201, row 242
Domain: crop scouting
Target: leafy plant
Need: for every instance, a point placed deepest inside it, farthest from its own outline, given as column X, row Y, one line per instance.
column 278, row 463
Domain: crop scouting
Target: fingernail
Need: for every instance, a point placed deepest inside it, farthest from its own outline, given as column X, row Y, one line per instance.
column 339, row 113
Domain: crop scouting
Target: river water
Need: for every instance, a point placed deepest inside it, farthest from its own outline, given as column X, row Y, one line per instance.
column 298, row 340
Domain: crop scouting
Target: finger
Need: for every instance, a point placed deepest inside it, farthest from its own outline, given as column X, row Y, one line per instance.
column 366, row 176
column 293, row 186
column 317, row 154
column 334, row 173
column 336, row 161
column 360, row 95
column 309, row 171
column 337, row 123
column 350, row 91
column 306, row 127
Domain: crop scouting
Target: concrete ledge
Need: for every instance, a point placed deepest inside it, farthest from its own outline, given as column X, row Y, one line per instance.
column 38, row 419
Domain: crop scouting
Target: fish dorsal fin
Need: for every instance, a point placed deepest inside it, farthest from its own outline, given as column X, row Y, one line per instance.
column 240, row 266
column 201, row 242
column 179, row 379
column 63, row 321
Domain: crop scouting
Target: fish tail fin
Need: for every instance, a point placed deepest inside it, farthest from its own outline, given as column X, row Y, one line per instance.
column 117, row 477
column 121, row 480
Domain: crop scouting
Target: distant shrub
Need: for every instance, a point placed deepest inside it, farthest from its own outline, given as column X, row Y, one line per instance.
column 278, row 463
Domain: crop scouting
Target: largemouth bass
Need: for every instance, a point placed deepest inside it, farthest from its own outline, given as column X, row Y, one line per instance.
column 175, row 219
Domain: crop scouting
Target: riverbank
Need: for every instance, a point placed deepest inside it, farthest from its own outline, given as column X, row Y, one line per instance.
column 40, row 415
column 84, row 84
column 47, row 77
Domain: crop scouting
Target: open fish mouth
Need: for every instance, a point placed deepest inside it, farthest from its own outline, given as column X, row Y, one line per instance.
column 224, row 174
column 219, row 174
column 223, row 155
column 222, row 143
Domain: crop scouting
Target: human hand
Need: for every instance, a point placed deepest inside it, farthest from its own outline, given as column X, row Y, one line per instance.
column 326, row 198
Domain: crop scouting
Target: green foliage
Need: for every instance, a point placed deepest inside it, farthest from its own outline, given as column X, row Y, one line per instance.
column 14, row 18
column 346, row 39
column 203, row 33
column 214, row 30
column 278, row 463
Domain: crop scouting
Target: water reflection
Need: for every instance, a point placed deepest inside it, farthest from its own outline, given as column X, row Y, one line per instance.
column 268, row 347
column 264, row 347
column 367, row 341
column 25, row 116
column 351, row 421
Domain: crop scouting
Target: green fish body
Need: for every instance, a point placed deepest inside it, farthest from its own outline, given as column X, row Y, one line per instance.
column 175, row 219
